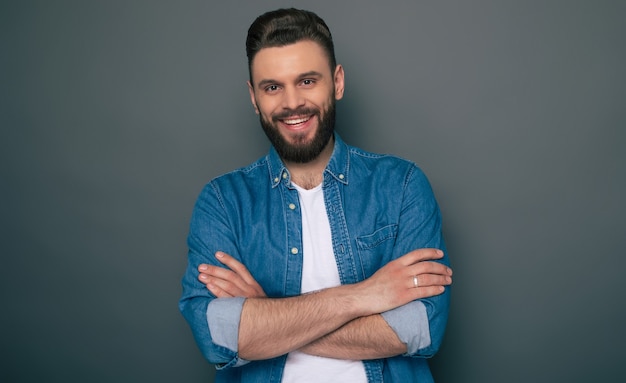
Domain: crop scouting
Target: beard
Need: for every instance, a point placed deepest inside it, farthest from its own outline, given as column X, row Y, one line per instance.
column 301, row 151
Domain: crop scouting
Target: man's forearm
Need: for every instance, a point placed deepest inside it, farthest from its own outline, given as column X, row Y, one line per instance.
column 368, row 337
column 273, row 327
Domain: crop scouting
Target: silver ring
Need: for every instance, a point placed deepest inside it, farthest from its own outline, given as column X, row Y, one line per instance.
column 415, row 284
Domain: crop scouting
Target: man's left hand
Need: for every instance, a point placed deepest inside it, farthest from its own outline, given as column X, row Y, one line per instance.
column 236, row 281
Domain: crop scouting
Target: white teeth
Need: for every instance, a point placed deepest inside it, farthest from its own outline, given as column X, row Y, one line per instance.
column 296, row 121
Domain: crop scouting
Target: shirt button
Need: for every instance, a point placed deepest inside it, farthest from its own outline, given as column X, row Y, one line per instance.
column 284, row 176
column 294, row 250
column 341, row 176
column 276, row 179
column 292, row 206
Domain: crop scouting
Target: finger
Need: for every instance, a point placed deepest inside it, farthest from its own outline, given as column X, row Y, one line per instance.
column 428, row 267
column 423, row 292
column 215, row 271
column 420, row 255
column 235, row 266
column 239, row 281
column 229, row 261
column 427, row 292
column 426, row 280
column 229, row 282
column 223, row 286
column 228, row 286
column 217, row 291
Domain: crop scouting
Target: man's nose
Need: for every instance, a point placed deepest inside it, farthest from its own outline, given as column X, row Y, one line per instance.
column 292, row 98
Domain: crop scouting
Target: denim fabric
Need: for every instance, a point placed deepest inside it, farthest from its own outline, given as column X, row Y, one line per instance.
column 380, row 207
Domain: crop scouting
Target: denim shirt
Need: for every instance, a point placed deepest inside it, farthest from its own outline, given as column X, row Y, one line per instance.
column 379, row 207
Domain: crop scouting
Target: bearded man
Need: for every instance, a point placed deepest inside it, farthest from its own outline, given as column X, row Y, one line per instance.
column 320, row 262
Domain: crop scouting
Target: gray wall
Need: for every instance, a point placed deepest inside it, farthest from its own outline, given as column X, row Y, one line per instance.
column 114, row 114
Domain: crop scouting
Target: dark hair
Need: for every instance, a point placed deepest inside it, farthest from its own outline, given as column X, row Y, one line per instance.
column 288, row 26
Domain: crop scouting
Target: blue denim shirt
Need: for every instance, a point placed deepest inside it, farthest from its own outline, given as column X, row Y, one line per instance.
column 380, row 207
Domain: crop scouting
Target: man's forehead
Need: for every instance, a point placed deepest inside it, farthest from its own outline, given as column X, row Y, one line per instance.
column 290, row 60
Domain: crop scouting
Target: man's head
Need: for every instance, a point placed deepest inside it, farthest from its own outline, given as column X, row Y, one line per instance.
column 288, row 26
column 294, row 82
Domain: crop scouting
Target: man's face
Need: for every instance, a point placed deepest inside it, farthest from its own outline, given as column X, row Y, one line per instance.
column 294, row 92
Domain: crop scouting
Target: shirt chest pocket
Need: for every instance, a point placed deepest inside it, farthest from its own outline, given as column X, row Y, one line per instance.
column 376, row 249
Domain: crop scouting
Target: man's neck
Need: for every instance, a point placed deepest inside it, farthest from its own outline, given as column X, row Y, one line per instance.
column 309, row 175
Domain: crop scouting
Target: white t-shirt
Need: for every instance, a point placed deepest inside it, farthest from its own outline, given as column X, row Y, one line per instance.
column 319, row 271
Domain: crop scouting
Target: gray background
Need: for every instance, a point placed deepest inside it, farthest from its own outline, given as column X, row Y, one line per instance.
column 114, row 114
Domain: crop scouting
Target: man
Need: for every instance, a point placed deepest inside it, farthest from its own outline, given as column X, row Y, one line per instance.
column 320, row 262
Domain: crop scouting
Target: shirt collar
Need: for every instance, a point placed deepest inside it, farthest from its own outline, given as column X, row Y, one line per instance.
column 338, row 165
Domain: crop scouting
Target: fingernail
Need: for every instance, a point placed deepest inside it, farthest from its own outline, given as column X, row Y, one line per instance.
column 202, row 267
column 219, row 254
column 202, row 276
column 439, row 252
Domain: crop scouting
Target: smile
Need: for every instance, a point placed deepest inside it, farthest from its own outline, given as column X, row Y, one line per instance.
column 296, row 121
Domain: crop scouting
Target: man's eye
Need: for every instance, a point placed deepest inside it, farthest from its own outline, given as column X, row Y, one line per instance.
column 308, row 82
column 271, row 88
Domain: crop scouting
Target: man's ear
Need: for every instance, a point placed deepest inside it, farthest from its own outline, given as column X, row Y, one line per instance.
column 339, row 79
column 252, row 98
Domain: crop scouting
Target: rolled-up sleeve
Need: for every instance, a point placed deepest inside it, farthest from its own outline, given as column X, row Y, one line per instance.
column 410, row 323
column 420, row 324
column 223, row 315
column 214, row 322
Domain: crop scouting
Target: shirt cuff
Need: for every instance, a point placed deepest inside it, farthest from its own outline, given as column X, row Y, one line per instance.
column 410, row 323
column 223, row 315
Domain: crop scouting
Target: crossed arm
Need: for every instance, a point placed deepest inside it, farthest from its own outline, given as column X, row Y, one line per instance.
column 340, row 322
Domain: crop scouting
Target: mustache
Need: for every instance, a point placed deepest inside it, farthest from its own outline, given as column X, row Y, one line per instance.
column 304, row 111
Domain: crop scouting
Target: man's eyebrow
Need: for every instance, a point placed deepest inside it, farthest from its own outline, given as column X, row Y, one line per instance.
column 310, row 74
column 263, row 83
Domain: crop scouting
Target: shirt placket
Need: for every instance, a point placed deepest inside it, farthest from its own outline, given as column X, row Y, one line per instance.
column 293, row 240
